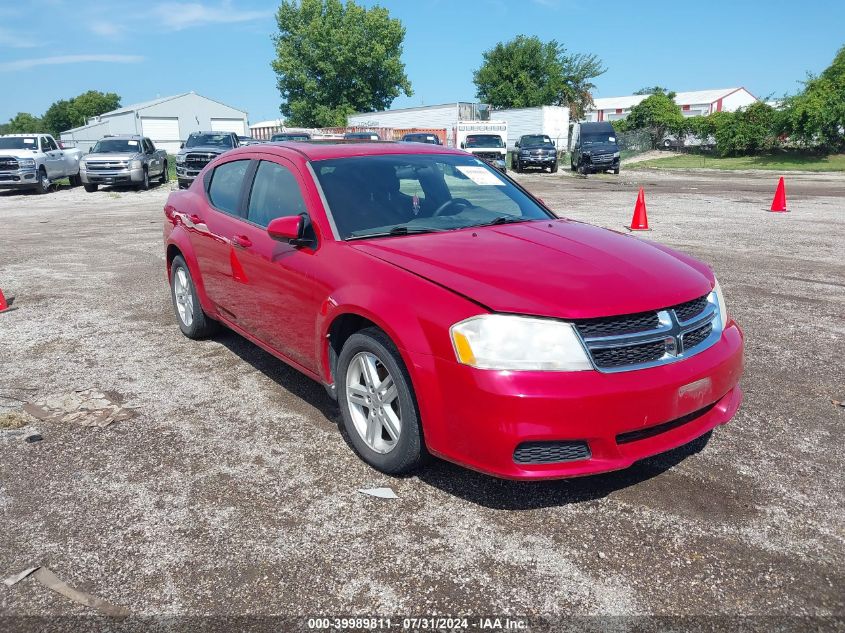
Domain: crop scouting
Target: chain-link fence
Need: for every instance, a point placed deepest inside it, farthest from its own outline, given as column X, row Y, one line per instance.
column 633, row 142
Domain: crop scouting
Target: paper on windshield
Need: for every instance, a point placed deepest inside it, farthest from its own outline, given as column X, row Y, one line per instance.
column 480, row 175
column 133, row 143
column 29, row 141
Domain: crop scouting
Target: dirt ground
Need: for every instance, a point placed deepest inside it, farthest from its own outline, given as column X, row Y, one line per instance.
column 231, row 491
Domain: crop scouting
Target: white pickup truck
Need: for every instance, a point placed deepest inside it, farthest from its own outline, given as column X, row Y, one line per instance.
column 34, row 161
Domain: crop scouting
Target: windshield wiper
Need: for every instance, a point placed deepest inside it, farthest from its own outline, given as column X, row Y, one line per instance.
column 503, row 219
column 397, row 230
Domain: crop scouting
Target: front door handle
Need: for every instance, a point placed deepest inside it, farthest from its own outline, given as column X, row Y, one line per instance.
column 195, row 219
column 242, row 240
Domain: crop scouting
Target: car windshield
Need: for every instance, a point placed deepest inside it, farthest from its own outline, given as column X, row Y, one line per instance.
column 603, row 137
column 209, row 140
column 116, row 145
column 536, row 139
column 399, row 194
column 291, row 137
column 19, row 142
column 484, row 140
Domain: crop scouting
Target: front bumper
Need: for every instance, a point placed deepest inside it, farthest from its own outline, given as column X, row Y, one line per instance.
column 111, row 177
column 537, row 161
column 478, row 418
column 184, row 174
column 19, row 178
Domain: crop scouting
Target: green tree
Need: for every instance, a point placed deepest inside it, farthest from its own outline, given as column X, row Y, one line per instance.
column 59, row 117
column 658, row 114
column 527, row 72
column 816, row 116
column 651, row 91
column 334, row 58
column 93, row 103
column 748, row 131
column 23, row 123
column 68, row 113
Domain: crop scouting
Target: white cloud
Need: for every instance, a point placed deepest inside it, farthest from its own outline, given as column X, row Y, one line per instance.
column 23, row 64
column 106, row 29
column 13, row 40
column 177, row 17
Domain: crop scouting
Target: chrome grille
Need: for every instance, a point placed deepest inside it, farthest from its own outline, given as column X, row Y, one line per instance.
column 105, row 165
column 602, row 158
column 7, row 163
column 488, row 155
column 647, row 339
column 198, row 160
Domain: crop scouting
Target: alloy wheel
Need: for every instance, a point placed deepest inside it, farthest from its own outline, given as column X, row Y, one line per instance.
column 184, row 296
column 373, row 402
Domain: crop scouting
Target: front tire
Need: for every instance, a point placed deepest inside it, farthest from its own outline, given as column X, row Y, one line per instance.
column 144, row 185
column 90, row 187
column 553, row 168
column 75, row 181
column 43, row 183
column 165, row 175
column 377, row 403
column 517, row 167
column 189, row 313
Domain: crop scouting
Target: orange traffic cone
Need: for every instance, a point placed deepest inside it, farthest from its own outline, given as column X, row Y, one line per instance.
column 640, row 220
column 779, row 201
column 4, row 305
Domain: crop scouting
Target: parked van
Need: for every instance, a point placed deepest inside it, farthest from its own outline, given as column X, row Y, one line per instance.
column 593, row 148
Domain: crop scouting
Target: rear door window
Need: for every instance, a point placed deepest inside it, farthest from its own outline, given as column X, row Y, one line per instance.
column 275, row 194
column 227, row 181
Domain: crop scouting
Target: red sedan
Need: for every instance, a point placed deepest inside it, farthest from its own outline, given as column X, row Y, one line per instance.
column 450, row 312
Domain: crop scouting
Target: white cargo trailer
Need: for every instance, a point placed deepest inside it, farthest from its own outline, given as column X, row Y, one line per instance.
column 552, row 121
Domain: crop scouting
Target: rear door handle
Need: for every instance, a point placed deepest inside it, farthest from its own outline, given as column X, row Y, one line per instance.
column 242, row 240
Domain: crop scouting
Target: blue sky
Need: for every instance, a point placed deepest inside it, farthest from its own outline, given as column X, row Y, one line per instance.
column 142, row 49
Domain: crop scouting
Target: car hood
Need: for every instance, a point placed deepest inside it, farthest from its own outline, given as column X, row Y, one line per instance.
column 113, row 156
column 19, row 153
column 543, row 146
column 557, row 268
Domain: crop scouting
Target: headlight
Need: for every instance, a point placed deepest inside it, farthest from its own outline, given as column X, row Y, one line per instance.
column 720, row 302
column 615, row 154
column 26, row 163
column 135, row 164
column 180, row 158
column 501, row 341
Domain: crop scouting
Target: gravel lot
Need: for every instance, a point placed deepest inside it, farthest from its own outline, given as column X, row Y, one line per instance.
column 232, row 491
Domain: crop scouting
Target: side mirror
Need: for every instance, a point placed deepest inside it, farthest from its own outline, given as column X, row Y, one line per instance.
column 286, row 229
column 516, row 144
column 181, row 146
column 463, row 145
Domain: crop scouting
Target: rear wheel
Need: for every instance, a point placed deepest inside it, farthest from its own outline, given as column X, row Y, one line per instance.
column 377, row 403
column 189, row 313
column 90, row 188
column 42, row 185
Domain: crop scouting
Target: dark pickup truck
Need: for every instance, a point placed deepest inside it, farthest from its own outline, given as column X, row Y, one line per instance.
column 200, row 149
column 535, row 150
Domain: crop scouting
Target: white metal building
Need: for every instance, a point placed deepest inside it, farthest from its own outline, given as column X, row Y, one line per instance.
column 695, row 103
column 551, row 120
column 166, row 121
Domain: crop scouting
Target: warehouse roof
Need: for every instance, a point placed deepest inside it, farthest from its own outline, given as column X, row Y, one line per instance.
column 681, row 98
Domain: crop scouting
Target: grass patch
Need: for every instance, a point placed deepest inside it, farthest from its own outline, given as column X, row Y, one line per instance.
column 171, row 167
column 13, row 420
column 772, row 162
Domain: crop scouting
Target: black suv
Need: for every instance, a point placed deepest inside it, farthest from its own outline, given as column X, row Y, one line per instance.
column 418, row 137
column 594, row 148
column 535, row 150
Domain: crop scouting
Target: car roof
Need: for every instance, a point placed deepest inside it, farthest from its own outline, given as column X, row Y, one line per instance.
column 120, row 136
column 324, row 151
